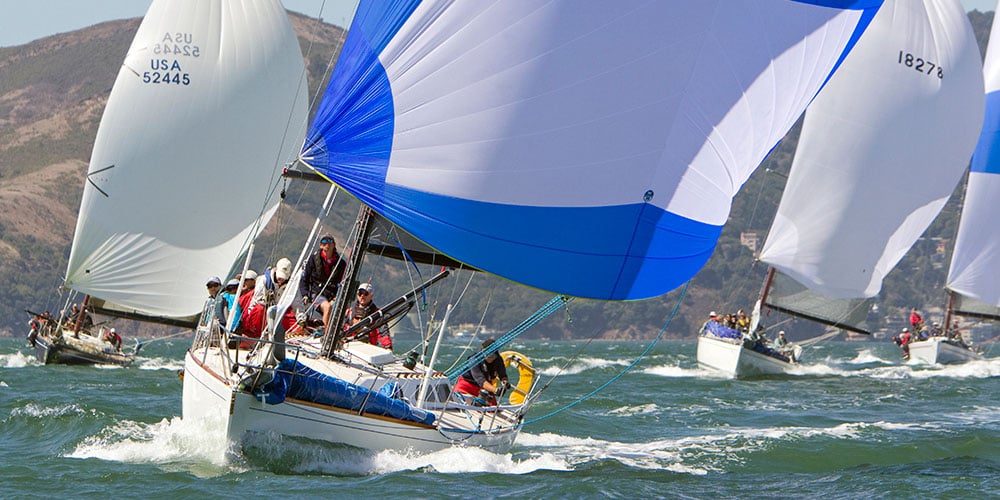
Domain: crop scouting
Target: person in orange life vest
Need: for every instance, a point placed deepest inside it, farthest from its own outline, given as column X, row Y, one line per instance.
column 321, row 278
column 112, row 337
column 362, row 308
column 478, row 381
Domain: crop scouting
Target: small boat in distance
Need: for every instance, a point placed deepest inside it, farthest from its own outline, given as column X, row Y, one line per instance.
column 77, row 341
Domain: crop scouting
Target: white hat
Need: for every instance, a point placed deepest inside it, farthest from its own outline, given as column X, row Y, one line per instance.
column 112, row 330
column 232, row 282
column 250, row 275
column 214, row 279
column 366, row 287
column 283, row 269
column 782, row 332
column 712, row 314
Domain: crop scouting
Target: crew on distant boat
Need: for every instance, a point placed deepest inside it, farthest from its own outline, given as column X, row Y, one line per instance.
column 112, row 337
column 34, row 326
column 916, row 321
column 903, row 341
column 782, row 345
column 742, row 321
column 478, row 381
column 363, row 307
column 321, row 278
column 712, row 318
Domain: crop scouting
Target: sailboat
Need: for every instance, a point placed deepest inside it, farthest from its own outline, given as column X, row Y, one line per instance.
column 590, row 149
column 972, row 285
column 181, row 169
column 882, row 147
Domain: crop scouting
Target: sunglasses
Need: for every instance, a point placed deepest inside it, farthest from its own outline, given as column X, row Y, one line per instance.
column 325, row 241
column 362, row 293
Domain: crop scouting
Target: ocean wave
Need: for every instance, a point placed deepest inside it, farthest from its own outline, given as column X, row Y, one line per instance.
column 17, row 360
column 195, row 446
column 171, row 364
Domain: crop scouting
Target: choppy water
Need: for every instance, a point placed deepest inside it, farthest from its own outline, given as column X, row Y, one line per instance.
column 855, row 423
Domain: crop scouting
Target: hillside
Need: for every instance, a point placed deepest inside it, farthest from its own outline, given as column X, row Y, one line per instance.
column 52, row 94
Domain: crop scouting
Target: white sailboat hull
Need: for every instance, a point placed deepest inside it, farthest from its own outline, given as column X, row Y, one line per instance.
column 938, row 350
column 210, row 394
column 730, row 357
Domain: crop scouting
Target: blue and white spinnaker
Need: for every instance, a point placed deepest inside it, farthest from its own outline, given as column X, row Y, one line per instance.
column 584, row 147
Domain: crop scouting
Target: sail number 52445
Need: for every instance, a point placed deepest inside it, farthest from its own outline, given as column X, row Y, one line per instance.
column 920, row 64
column 167, row 77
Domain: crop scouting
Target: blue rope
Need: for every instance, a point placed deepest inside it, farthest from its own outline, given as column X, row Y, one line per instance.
column 625, row 370
column 543, row 312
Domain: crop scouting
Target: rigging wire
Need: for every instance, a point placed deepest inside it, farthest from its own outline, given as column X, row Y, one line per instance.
column 625, row 370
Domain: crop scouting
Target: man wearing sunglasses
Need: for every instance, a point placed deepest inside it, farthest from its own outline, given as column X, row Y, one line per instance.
column 363, row 307
column 321, row 278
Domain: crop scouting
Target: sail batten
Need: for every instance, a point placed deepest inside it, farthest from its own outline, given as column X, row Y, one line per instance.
column 480, row 129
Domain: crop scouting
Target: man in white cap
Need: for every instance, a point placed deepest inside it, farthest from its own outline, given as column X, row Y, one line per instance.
column 112, row 337
column 271, row 283
column 705, row 327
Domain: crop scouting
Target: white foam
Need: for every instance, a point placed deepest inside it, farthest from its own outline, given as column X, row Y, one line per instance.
column 17, row 360
column 629, row 411
column 193, row 446
column 35, row 411
column 172, row 364
column 674, row 371
column 865, row 357
column 311, row 457
column 580, row 365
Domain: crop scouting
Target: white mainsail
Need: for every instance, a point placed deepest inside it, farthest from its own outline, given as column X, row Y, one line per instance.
column 208, row 105
column 882, row 148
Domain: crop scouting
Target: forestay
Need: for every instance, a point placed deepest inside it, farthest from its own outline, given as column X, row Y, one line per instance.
column 881, row 150
column 209, row 101
column 974, row 264
column 585, row 147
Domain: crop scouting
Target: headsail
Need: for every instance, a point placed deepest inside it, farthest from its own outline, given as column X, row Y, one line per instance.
column 209, row 102
column 584, row 147
column 974, row 264
column 882, row 148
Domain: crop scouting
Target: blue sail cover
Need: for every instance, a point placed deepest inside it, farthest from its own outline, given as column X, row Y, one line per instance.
column 584, row 147
column 295, row 380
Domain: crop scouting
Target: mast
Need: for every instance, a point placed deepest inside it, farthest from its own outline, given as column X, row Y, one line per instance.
column 948, row 312
column 331, row 342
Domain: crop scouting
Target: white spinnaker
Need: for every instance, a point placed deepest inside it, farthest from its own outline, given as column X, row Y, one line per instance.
column 208, row 105
column 881, row 150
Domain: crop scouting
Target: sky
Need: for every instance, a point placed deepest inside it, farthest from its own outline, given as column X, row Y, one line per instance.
column 22, row 21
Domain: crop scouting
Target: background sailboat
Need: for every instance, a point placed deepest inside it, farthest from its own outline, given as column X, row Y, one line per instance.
column 181, row 176
column 881, row 150
column 973, row 288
